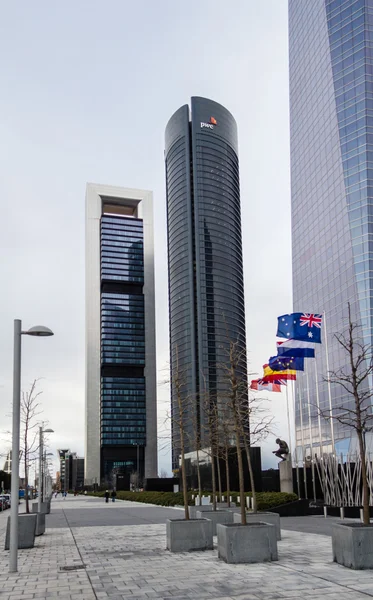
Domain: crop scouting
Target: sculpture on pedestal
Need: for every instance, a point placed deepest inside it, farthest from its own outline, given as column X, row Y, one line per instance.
column 282, row 451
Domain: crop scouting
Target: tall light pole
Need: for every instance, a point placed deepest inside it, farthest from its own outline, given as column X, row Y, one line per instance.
column 41, row 443
column 39, row 331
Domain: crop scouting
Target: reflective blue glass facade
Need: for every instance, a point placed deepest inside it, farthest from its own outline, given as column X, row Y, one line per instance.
column 331, row 114
column 123, row 393
column 206, row 286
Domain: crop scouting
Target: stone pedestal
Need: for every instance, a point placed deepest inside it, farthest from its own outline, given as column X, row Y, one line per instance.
column 286, row 476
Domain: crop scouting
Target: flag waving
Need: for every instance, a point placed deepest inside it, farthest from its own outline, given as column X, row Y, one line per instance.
column 260, row 385
column 269, row 375
column 282, row 363
column 295, row 348
column 300, row 326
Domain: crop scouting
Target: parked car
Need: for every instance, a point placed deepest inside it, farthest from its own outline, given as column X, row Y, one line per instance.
column 5, row 502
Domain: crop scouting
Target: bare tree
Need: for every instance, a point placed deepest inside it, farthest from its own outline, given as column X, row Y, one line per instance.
column 179, row 417
column 354, row 379
column 30, row 410
column 251, row 421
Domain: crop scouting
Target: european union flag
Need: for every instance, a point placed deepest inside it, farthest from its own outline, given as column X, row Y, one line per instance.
column 300, row 326
column 282, row 363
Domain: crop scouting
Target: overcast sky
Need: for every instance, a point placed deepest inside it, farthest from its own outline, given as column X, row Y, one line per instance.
column 87, row 90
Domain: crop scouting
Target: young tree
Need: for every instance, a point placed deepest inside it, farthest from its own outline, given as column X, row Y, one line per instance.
column 251, row 420
column 30, row 410
column 354, row 378
column 179, row 418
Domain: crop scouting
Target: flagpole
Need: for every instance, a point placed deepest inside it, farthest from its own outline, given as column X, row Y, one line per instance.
column 288, row 412
column 318, row 407
column 302, row 434
column 295, row 439
column 329, row 387
column 311, row 436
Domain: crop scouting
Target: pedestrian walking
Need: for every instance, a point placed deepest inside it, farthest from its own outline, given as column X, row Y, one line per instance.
column 113, row 495
column 107, row 496
column 64, row 495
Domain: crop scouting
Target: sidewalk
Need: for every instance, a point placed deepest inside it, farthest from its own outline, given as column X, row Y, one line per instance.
column 130, row 562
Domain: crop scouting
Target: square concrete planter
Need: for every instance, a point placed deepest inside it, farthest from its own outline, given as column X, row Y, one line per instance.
column 252, row 543
column 193, row 510
column 189, row 535
column 266, row 517
column 43, row 509
column 40, row 524
column 353, row 545
column 26, row 531
column 225, row 505
column 216, row 516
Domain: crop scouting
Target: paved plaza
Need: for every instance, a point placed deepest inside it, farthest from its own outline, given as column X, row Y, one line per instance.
column 117, row 552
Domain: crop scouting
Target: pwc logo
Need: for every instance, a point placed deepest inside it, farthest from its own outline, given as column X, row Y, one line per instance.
column 209, row 125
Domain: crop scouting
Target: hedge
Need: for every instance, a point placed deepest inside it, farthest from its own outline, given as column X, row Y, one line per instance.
column 266, row 500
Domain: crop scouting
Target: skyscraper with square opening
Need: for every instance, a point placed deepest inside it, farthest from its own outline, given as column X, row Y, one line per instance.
column 121, row 414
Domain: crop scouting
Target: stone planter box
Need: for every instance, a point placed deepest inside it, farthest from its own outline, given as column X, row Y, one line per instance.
column 266, row 517
column 26, row 531
column 189, row 535
column 353, row 545
column 225, row 505
column 216, row 516
column 40, row 524
column 252, row 543
column 193, row 510
column 43, row 509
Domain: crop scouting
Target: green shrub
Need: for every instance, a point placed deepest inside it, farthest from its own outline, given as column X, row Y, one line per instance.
column 266, row 500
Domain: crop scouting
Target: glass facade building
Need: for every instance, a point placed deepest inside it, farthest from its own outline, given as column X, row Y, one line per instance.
column 123, row 411
column 206, row 286
column 121, row 425
column 331, row 118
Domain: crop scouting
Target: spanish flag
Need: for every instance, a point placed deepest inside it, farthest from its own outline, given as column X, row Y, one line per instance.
column 269, row 375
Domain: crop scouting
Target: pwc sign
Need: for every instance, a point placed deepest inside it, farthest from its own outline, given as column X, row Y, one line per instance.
column 210, row 124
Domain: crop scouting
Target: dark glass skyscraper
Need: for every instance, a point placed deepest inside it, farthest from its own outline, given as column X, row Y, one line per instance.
column 206, row 287
column 331, row 114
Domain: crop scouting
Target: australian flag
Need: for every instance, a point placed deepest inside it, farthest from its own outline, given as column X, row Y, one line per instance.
column 300, row 326
column 282, row 363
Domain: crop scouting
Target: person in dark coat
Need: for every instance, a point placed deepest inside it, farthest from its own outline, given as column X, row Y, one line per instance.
column 107, row 496
column 113, row 495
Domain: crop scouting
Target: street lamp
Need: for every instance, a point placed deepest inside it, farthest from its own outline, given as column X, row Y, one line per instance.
column 41, row 443
column 39, row 330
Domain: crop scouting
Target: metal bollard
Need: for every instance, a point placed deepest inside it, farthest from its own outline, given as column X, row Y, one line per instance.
column 325, row 511
column 342, row 512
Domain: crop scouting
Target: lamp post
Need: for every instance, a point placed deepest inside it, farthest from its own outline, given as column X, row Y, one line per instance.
column 38, row 331
column 41, row 442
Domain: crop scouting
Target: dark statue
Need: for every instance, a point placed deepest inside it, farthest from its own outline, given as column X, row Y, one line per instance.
column 282, row 451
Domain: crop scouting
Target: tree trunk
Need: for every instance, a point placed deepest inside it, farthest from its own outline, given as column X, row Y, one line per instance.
column 251, row 474
column 199, row 478
column 366, row 515
column 183, row 476
column 240, row 477
column 227, row 476
column 219, row 477
column 213, row 481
